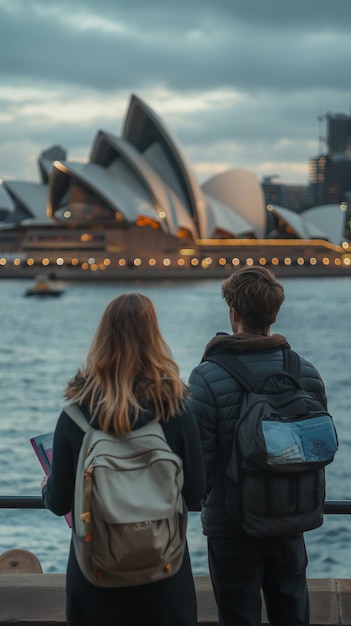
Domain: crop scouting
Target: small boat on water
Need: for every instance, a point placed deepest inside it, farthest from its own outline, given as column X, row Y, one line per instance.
column 44, row 287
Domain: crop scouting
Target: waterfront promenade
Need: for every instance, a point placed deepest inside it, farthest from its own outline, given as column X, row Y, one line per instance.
column 39, row 600
column 43, row 341
column 29, row 597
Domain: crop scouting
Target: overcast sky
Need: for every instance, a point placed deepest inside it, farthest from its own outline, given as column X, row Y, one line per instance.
column 239, row 83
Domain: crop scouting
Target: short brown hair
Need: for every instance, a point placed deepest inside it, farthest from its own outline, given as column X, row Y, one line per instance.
column 256, row 295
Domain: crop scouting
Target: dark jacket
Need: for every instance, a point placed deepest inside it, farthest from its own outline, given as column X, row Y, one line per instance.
column 215, row 399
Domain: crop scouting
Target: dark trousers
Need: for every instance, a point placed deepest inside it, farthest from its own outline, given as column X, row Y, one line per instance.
column 241, row 567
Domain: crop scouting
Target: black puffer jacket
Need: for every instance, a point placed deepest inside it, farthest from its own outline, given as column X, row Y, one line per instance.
column 216, row 398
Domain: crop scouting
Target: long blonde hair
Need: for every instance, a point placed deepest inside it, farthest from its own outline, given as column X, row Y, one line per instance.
column 129, row 367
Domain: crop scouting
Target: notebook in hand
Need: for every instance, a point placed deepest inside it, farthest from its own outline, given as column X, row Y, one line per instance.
column 42, row 446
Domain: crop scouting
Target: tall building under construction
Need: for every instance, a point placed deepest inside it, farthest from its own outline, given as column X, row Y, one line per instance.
column 330, row 172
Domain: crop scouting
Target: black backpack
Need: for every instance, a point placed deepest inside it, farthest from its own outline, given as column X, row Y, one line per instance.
column 284, row 438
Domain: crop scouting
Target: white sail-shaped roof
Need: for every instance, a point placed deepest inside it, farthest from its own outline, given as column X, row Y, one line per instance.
column 31, row 197
column 240, row 190
column 144, row 129
column 225, row 219
column 107, row 151
column 122, row 192
column 330, row 218
column 6, row 201
column 301, row 226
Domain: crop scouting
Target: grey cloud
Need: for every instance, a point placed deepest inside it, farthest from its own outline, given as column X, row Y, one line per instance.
column 311, row 14
column 222, row 55
column 288, row 61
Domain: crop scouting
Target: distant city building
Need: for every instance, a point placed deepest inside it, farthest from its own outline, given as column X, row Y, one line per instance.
column 330, row 178
column 46, row 159
column 338, row 133
column 330, row 173
column 274, row 193
column 296, row 197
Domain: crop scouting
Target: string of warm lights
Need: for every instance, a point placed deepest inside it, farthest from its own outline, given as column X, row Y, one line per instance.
column 203, row 263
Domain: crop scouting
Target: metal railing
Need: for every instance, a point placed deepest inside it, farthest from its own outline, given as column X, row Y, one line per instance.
column 331, row 507
column 21, row 502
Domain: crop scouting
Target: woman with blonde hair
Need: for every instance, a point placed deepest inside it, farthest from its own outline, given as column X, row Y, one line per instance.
column 129, row 378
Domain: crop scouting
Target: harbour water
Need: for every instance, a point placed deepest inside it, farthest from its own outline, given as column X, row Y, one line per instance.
column 43, row 341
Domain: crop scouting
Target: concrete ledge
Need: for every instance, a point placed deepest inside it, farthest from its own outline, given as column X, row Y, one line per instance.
column 39, row 599
column 32, row 599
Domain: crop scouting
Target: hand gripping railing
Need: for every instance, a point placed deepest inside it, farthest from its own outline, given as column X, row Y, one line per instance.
column 332, row 507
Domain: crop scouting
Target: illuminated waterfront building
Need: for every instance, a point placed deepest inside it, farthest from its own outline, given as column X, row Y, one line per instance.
column 135, row 205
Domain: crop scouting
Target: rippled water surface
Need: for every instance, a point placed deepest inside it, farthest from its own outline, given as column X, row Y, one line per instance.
column 44, row 341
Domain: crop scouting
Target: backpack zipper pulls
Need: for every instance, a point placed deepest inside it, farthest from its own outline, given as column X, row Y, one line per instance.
column 86, row 515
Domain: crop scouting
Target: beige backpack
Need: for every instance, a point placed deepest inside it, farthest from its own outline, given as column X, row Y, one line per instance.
column 129, row 522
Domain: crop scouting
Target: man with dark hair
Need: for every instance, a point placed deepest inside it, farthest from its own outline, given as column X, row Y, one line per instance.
column 241, row 566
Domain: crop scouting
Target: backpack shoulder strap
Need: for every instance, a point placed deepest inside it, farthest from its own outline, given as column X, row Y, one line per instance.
column 235, row 367
column 152, row 428
column 77, row 416
column 244, row 376
column 292, row 363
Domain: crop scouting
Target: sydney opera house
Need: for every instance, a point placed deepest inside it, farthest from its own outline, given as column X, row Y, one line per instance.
column 135, row 209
